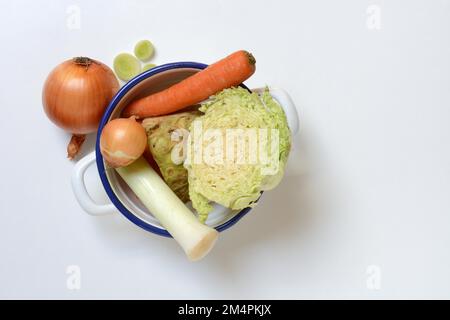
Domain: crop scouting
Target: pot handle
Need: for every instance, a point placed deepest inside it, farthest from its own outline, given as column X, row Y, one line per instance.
column 285, row 100
column 80, row 191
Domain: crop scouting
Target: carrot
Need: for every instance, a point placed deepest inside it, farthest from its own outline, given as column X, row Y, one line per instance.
column 228, row 72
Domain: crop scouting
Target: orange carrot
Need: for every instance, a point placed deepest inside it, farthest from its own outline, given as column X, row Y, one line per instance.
column 228, row 72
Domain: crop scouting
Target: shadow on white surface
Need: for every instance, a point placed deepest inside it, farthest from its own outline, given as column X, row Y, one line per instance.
column 277, row 218
column 88, row 146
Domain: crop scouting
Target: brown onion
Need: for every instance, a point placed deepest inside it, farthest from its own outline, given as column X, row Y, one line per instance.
column 122, row 142
column 75, row 95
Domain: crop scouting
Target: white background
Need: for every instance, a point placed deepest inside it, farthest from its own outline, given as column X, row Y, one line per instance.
column 368, row 182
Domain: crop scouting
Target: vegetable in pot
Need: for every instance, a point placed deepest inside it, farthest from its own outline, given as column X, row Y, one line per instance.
column 233, row 183
column 122, row 141
column 195, row 238
column 163, row 146
column 228, row 72
column 75, row 95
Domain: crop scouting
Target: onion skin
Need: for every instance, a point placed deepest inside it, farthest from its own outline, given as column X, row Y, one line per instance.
column 76, row 94
column 122, row 141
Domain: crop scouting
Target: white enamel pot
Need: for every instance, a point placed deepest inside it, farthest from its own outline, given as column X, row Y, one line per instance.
column 122, row 198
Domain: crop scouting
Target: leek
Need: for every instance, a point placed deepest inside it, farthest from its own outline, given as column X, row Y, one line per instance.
column 195, row 238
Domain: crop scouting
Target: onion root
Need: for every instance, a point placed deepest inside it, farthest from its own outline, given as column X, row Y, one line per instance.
column 74, row 146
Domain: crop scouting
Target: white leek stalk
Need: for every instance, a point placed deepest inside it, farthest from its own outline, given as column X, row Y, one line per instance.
column 195, row 238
